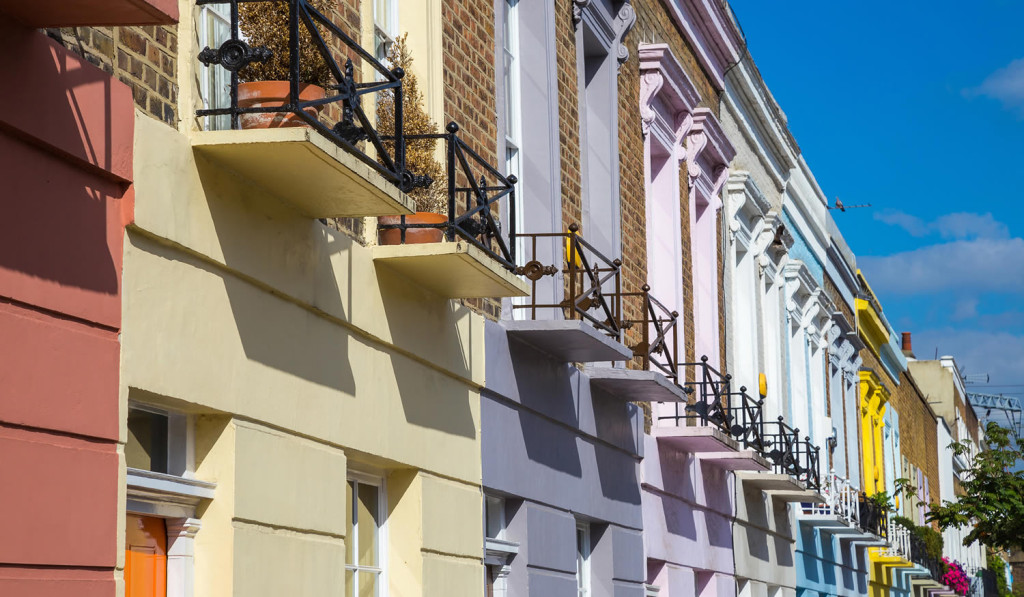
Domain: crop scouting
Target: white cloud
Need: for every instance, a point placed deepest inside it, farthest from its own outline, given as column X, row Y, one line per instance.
column 963, row 225
column 965, row 309
column 913, row 225
column 958, row 226
column 1005, row 85
column 1000, row 354
column 963, row 266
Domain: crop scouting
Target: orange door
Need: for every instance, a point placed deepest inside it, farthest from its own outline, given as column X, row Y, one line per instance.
column 145, row 561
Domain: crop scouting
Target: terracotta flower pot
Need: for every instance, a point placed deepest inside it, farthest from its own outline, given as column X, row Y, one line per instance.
column 413, row 236
column 271, row 94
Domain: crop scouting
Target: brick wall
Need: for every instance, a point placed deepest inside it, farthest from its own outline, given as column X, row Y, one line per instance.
column 469, row 94
column 144, row 58
column 655, row 25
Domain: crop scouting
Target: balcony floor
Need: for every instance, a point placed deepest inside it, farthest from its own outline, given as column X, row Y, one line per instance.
column 694, row 439
column 451, row 270
column 570, row 340
column 635, row 386
column 305, row 170
column 741, row 460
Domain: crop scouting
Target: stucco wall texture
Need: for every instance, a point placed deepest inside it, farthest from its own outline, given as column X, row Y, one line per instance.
column 284, row 338
column 60, row 295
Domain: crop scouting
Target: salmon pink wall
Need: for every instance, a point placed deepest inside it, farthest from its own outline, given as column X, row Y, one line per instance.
column 66, row 132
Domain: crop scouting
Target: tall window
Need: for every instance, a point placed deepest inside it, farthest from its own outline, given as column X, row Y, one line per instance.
column 513, row 106
column 215, row 81
column 385, row 27
column 494, row 528
column 582, row 559
column 364, row 541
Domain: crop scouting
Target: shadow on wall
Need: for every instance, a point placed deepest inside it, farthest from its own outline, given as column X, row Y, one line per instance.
column 756, row 505
column 61, row 214
column 617, row 422
column 809, row 559
column 424, row 401
column 273, row 331
column 547, row 387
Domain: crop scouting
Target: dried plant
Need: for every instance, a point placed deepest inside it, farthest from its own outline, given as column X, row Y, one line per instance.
column 419, row 153
column 266, row 24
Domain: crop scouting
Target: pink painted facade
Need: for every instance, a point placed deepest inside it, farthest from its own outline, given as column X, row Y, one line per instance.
column 687, row 508
column 66, row 131
column 688, row 504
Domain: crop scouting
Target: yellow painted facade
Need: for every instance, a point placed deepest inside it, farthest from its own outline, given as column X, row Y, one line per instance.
column 873, row 398
column 301, row 361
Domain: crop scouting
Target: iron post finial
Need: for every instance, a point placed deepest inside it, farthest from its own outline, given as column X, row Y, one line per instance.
column 452, row 127
column 780, row 418
column 728, row 377
column 646, row 288
column 398, row 71
column 617, row 263
column 675, row 314
column 512, row 179
column 704, row 358
column 743, row 388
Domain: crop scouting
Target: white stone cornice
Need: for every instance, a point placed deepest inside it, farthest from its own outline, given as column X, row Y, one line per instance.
column 711, row 32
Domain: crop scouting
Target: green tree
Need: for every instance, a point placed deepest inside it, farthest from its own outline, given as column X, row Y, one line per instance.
column 993, row 504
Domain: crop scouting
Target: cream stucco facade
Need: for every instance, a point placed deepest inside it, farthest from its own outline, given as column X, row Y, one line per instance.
column 299, row 361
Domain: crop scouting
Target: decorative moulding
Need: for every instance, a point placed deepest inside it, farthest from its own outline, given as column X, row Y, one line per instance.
column 664, row 82
column 712, row 34
column 708, row 154
column 610, row 29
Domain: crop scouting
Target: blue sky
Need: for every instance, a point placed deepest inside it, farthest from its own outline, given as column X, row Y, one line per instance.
column 918, row 109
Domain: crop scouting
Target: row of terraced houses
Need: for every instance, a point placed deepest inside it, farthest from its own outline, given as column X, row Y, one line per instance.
column 630, row 354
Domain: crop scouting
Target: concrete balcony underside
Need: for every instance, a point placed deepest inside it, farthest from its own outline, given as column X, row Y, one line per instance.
column 635, row 386
column 304, row 170
column 570, row 340
column 83, row 13
column 711, row 445
column 831, row 524
column 450, row 270
column 780, row 486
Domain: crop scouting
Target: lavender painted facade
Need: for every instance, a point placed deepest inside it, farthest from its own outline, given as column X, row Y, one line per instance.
column 560, row 455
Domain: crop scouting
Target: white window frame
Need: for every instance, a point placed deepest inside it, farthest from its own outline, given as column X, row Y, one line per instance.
column 207, row 12
column 173, row 497
column 583, row 553
column 380, row 482
column 510, row 68
column 380, row 26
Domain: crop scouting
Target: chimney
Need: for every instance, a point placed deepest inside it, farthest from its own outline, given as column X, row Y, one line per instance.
column 908, row 349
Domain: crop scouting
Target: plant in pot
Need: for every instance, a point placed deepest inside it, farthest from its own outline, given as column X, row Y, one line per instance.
column 431, row 201
column 266, row 83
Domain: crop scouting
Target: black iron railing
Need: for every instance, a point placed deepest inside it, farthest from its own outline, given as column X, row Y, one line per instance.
column 812, row 458
column 920, row 556
column 874, row 518
column 475, row 188
column 658, row 345
column 343, row 89
column 715, row 404
column 792, row 455
column 749, row 425
column 592, row 281
column 710, row 404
